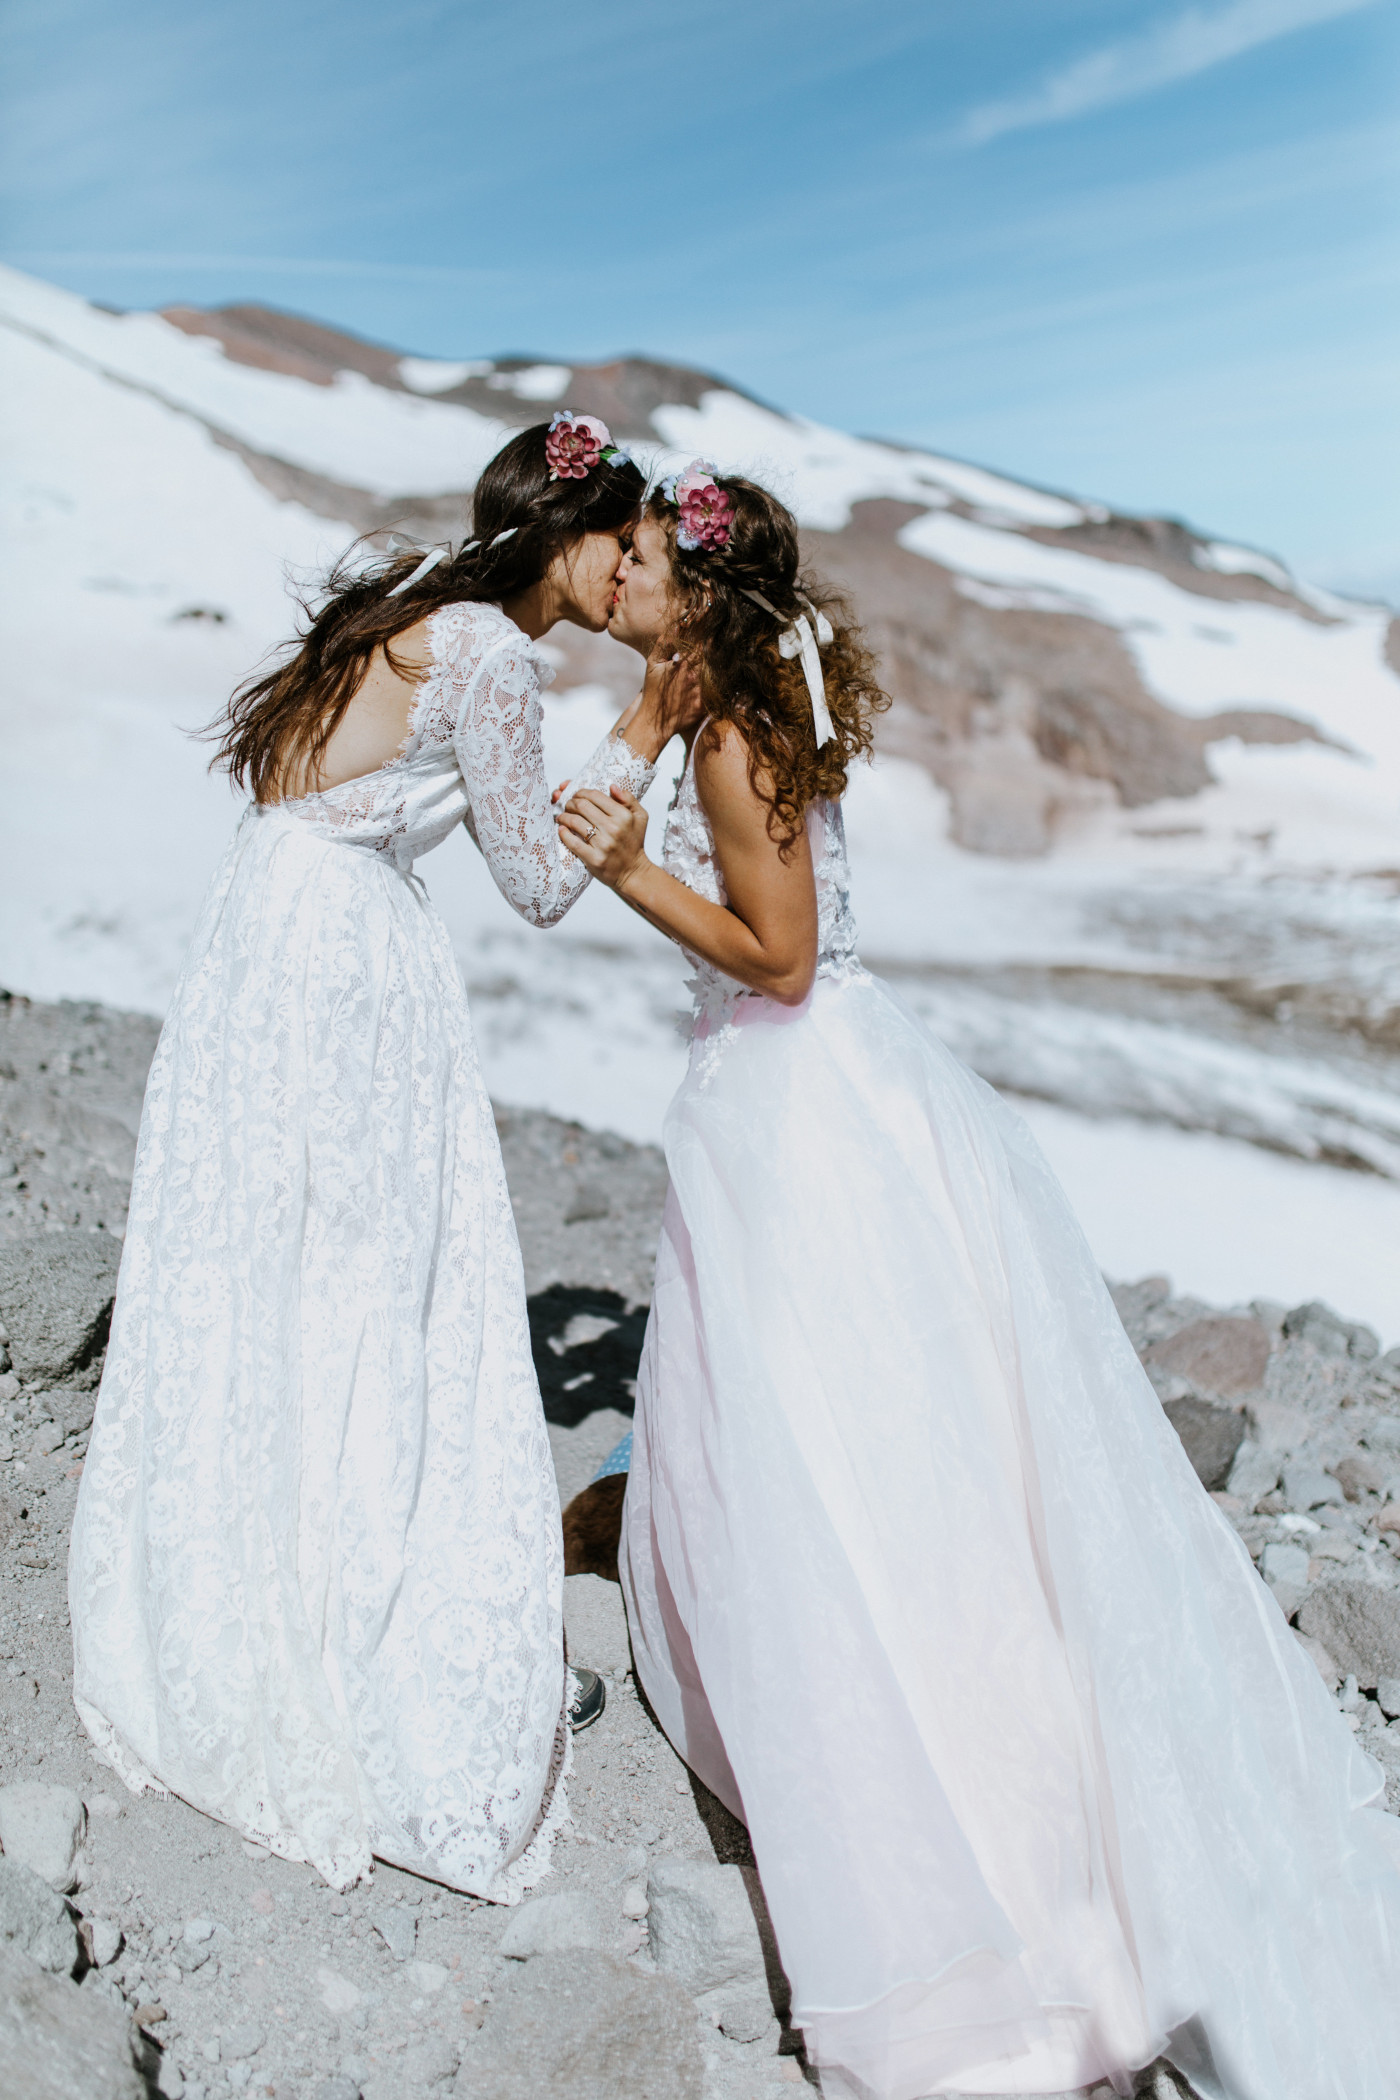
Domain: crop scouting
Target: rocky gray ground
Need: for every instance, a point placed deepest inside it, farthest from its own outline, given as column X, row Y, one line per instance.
column 641, row 1969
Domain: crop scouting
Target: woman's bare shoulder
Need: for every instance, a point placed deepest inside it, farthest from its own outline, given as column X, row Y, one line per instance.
column 723, row 768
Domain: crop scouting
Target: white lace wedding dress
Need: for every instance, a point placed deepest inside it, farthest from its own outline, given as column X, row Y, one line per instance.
column 316, row 1571
column 921, row 1584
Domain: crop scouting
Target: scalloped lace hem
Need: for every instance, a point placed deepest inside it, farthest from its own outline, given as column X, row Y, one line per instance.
column 342, row 1870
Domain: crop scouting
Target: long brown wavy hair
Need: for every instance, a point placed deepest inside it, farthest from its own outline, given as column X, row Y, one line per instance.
column 278, row 725
column 733, row 644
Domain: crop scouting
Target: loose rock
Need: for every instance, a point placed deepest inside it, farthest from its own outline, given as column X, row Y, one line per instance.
column 1211, row 1437
column 704, row 1932
column 1253, row 1473
column 338, row 1994
column 102, row 1940
column 41, row 1827
column 1309, row 1487
column 72, row 2044
column 552, row 1924
column 56, row 1293
column 1221, row 1355
column 1317, row 1324
column 1285, row 1568
column 1358, row 1623
column 586, row 2024
column 1360, row 1476
column 398, row 1928
column 35, row 1920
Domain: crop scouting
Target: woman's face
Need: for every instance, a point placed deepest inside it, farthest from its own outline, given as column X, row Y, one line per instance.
column 582, row 579
column 643, row 607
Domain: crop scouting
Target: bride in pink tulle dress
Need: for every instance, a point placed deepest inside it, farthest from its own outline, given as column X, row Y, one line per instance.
column 920, row 1582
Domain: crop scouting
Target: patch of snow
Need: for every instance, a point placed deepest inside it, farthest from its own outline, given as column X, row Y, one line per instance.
column 821, row 473
column 353, row 431
column 533, row 382
column 1225, row 1221
column 1104, row 1064
column 1243, row 561
column 1199, row 656
column 438, row 375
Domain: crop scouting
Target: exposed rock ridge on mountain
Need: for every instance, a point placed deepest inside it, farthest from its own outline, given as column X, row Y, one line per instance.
column 1025, row 715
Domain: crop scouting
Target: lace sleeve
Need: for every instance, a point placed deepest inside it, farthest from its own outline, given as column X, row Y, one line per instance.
column 501, row 754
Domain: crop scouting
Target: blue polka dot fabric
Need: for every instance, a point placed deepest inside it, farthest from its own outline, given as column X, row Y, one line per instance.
column 618, row 1460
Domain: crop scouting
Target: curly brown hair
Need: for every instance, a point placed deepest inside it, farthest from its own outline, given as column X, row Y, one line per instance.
column 733, row 644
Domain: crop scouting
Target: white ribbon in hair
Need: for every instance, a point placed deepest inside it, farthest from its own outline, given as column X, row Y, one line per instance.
column 435, row 555
column 799, row 640
column 430, row 561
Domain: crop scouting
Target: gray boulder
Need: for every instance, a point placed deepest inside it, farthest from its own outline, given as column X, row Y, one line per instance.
column 70, row 1408
column 35, row 1919
column 1253, row 1472
column 58, row 2042
column 1306, row 1486
column 1361, row 1475
column 56, row 1295
column 553, row 1924
column 1358, row 1623
column 586, row 2024
column 1210, row 1435
column 1223, row 1355
column 1317, row 1324
column 1284, row 1566
column 703, row 1931
column 41, row 1827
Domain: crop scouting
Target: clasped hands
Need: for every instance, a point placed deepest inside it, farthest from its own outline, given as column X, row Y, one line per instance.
column 607, row 831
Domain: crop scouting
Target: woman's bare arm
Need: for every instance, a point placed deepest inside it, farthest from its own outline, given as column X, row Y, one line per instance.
column 766, row 936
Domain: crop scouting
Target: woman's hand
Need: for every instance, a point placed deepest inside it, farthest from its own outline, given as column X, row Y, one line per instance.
column 668, row 704
column 607, row 833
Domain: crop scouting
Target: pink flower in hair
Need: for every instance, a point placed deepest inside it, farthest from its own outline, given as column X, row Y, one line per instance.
column 575, row 445
column 707, row 514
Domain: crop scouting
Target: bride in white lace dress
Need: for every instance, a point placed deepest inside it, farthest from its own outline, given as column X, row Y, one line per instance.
column 920, row 1582
column 316, row 1569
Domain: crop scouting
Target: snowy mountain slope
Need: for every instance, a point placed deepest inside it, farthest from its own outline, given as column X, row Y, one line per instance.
column 1130, row 844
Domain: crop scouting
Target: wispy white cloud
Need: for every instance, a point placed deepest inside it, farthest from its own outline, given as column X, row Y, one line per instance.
column 1173, row 49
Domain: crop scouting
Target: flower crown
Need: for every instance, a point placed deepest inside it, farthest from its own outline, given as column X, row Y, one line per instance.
column 576, row 444
column 707, row 514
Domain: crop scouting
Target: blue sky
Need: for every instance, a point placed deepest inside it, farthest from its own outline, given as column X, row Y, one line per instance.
column 1138, row 248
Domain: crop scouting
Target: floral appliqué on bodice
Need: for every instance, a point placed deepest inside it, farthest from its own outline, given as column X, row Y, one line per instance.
column 688, row 853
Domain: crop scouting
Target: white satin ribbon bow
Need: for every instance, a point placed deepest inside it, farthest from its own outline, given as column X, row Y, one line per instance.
column 799, row 640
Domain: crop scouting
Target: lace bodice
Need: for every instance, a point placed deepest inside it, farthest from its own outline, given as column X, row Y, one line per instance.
column 688, row 853
column 474, row 755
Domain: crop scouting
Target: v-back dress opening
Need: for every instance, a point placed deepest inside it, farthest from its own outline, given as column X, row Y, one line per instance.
column 922, row 1585
column 316, row 1572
